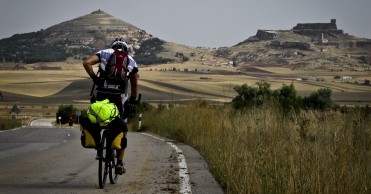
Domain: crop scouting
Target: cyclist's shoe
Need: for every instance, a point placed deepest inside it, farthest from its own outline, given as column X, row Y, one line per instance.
column 120, row 169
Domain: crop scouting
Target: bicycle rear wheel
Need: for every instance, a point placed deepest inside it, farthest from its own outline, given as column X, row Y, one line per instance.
column 113, row 177
column 103, row 163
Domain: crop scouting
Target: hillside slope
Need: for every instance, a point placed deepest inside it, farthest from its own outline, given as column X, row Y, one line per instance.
column 79, row 37
column 318, row 46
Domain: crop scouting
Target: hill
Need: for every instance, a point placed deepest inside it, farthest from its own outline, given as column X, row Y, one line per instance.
column 312, row 46
column 75, row 39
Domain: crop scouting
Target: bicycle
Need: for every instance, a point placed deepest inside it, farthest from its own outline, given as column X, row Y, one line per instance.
column 107, row 156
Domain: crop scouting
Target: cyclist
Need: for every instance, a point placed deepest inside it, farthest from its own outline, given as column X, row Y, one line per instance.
column 104, row 85
column 70, row 121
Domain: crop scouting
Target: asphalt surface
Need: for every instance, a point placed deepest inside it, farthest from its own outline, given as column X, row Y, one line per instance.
column 46, row 159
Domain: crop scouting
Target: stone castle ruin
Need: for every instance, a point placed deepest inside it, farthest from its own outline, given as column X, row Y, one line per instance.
column 307, row 29
column 316, row 29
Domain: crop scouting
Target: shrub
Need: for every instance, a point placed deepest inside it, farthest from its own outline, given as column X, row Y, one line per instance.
column 6, row 123
column 320, row 100
column 65, row 111
column 287, row 98
column 249, row 96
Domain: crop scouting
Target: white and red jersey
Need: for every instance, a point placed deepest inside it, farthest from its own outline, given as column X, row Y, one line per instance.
column 105, row 55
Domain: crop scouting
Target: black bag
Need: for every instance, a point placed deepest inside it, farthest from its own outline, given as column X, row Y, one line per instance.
column 90, row 133
column 117, row 133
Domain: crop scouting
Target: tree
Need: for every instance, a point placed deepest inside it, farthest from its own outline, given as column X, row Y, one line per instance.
column 320, row 100
column 288, row 98
column 65, row 111
column 248, row 96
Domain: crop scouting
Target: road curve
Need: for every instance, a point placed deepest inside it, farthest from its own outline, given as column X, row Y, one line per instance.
column 51, row 160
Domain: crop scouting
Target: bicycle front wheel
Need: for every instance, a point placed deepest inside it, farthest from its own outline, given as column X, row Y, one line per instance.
column 103, row 163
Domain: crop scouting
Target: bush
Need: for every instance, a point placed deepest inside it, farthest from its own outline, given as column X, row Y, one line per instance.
column 320, row 100
column 65, row 111
column 6, row 123
column 250, row 96
column 286, row 97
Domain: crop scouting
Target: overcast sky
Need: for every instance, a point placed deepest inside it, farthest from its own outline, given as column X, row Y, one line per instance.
column 207, row 23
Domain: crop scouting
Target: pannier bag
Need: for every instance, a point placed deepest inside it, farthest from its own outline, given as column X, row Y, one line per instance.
column 116, row 143
column 87, row 139
column 117, row 130
column 90, row 136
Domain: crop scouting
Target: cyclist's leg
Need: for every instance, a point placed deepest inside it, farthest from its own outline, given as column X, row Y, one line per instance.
column 121, row 153
column 121, row 126
column 120, row 156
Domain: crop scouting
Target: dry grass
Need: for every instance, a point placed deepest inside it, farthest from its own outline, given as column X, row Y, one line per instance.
column 262, row 151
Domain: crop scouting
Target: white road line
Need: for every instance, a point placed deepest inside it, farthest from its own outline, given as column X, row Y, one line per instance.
column 14, row 129
column 185, row 186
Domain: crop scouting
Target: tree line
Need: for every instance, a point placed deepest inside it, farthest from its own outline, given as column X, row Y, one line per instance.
column 286, row 97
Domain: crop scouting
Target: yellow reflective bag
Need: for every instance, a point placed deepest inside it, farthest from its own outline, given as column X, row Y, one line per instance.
column 102, row 112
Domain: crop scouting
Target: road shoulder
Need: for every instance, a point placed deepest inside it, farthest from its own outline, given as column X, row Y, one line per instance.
column 201, row 179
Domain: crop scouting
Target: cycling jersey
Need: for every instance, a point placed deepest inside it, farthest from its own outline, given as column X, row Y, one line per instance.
column 105, row 55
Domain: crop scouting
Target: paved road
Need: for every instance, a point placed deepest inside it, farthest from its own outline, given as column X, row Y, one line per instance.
column 51, row 160
column 42, row 123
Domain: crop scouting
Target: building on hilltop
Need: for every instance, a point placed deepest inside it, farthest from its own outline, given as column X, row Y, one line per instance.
column 267, row 35
column 316, row 29
column 308, row 26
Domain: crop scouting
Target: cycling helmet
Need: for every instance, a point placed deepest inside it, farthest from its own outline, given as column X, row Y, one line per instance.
column 120, row 43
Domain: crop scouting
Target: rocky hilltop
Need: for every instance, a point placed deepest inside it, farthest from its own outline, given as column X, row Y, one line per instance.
column 94, row 30
column 310, row 46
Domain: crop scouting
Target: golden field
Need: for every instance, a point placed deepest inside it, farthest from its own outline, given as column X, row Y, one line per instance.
column 160, row 84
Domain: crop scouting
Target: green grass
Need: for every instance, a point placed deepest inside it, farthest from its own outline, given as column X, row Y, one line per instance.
column 262, row 150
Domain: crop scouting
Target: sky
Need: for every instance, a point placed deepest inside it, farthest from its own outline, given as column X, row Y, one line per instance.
column 204, row 23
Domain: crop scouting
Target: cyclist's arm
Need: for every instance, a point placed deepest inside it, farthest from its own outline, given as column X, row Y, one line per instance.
column 89, row 62
column 134, row 85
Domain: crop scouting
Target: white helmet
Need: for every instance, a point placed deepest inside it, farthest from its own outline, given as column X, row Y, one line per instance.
column 120, row 43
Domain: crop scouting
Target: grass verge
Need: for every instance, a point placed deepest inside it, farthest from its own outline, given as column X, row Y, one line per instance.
column 6, row 123
column 262, row 150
